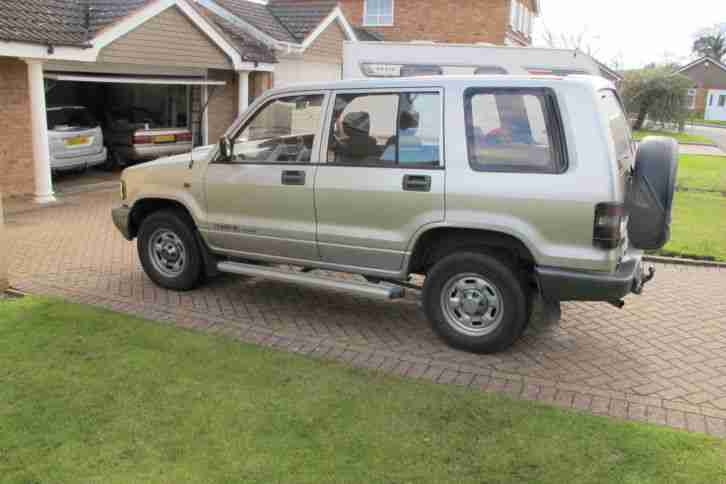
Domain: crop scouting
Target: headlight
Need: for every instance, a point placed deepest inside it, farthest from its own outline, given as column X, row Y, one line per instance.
column 122, row 187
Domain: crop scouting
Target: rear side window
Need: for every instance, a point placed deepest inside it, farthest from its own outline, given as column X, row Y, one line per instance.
column 514, row 130
column 619, row 127
column 386, row 129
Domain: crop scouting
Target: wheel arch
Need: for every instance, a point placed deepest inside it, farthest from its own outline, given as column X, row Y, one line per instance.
column 434, row 242
column 144, row 207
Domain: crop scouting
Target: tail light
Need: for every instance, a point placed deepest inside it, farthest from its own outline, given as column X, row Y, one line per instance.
column 184, row 137
column 610, row 225
column 140, row 139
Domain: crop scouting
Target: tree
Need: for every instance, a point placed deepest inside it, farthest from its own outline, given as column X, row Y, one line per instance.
column 657, row 94
column 711, row 42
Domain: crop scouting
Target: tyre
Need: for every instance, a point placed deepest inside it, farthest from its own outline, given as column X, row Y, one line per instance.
column 476, row 302
column 650, row 193
column 169, row 252
column 113, row 161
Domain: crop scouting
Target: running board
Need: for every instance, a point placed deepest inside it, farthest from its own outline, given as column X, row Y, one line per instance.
column 310, row 280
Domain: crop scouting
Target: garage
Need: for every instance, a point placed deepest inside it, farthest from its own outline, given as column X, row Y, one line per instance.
column 140, row 117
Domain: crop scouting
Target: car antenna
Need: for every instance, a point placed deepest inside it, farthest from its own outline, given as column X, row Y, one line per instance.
column 203, row 113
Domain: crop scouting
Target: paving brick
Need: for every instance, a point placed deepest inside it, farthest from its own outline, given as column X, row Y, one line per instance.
column 664, row 365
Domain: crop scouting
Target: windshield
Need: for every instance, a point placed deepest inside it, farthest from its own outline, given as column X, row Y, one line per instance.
column 70, row 118
column 619, row 127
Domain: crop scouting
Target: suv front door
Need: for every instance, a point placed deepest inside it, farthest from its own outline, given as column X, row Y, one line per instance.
column 383, row 178
column 261, row 200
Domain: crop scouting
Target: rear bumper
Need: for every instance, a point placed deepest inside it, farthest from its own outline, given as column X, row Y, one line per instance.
column 121, row 216
column 152, row 152
column 566, row 285
column 60, row 164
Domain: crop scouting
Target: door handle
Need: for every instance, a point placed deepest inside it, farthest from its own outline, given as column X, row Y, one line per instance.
column 293, row 177
column 417, row 183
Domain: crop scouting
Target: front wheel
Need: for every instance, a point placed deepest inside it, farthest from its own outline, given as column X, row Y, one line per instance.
column 169, row 252
column 476, row 302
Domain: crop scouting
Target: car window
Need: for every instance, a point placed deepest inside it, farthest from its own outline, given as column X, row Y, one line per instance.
column 619, row 127
column 72, row 117
column 282, row 131
column 397, row 129
column 512, row 130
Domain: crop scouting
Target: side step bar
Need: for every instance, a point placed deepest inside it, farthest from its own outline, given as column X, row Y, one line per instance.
column 310, row 280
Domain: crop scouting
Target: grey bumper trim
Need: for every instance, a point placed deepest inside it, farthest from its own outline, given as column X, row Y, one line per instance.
column 121, row 219
column 564, row 285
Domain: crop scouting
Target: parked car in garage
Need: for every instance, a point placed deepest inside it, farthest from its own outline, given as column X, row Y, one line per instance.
column 135, row 135
column 75, row 139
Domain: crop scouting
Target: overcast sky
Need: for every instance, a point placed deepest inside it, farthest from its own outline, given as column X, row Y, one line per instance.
column 637, row 31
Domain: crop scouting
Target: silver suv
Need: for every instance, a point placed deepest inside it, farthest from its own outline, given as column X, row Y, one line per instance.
column 496, row 189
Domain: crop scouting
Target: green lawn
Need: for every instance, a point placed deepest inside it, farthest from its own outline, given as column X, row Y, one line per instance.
column 711, row 123
column 680, row 137
column 698, row 228
column 702, row 173
column 94, row 396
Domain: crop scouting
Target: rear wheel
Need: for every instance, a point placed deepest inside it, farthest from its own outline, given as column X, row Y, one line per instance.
column 169, row 251
column 476, row 302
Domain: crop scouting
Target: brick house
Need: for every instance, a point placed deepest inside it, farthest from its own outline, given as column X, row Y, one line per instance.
column 225, row 52
column 499, row 22
column 708, row 96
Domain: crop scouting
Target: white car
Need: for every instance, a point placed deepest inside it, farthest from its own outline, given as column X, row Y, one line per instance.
column 75, row 139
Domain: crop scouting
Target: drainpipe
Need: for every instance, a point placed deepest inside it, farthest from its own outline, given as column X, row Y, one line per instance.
column 4, row 246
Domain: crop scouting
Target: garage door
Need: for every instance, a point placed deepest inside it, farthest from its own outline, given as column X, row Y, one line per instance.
column 291, row 72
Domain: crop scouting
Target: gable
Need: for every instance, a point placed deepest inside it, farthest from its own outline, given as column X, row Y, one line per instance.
column 709, row 77
column 167, row 39
column 328, row 47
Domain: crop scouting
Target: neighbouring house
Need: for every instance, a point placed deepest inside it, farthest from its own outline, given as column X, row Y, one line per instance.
column 707, row 98
column 198, row 63
column 498, row 22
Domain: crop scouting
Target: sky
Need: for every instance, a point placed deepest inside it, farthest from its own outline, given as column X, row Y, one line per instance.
column 635, row 31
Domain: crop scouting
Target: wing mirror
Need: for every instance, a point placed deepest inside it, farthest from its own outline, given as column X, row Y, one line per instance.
column 226, row 148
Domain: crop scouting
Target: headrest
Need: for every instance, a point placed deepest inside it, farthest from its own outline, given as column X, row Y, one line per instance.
column 357, row 124
column 408, row 120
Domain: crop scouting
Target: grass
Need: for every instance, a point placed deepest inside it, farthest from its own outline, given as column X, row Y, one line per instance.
column 698, row 230
column 93, row 396
column 680, row 137
column 704, row 173
column 708, row 123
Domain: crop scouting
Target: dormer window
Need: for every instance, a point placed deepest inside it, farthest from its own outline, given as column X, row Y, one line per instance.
column 378, row 13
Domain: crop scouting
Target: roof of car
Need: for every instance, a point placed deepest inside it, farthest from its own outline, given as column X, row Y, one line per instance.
column 441, row 81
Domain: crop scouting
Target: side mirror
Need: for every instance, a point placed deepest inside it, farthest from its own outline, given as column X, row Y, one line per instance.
column 225, row 148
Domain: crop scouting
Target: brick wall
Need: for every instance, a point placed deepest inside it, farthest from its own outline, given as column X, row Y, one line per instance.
column 454, row 21
column 328, row 48
column 222, row 108
column 16, row 148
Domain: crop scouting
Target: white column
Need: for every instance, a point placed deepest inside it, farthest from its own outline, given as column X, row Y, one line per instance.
column 243, row 84
column 39, row 133
column 205, row 118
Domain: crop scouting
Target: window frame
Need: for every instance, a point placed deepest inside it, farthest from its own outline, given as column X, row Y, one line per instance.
column 721, row 101
column 263, row 103
column 553, row 121
column 366, row 22
column 383, row 91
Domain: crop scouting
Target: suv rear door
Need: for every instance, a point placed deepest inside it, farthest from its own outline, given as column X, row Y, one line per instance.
column 383, row 176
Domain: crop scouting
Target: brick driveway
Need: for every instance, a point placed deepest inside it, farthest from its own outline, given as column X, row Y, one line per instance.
column 662, row 359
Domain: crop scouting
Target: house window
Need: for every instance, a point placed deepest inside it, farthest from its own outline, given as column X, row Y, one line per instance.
column 691, row 99
column 722, row 101
column 378, row 13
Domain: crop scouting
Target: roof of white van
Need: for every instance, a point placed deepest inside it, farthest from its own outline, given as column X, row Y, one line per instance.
column 442, row 81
